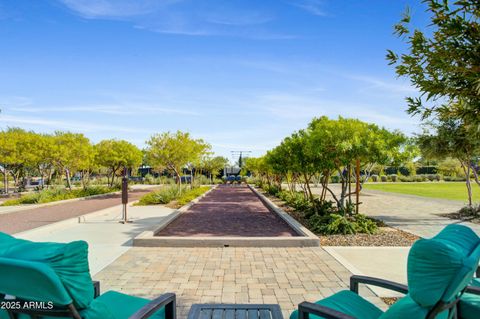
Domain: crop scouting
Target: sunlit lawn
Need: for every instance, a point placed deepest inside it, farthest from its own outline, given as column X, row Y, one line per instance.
column 447, row 190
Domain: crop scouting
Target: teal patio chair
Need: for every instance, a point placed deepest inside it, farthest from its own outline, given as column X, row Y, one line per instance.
column 56, row 277
column 438, row 272
column 469, row 305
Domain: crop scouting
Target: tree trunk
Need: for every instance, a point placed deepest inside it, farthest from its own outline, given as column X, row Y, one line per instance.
column 67, row 175
column 466, row 169
column 5, row 180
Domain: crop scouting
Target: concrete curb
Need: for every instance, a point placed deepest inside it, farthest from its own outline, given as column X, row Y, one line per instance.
column 307, row 238
column 292, row 222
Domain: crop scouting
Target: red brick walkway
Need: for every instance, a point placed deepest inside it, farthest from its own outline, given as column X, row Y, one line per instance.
column 23, row 220
column 229, row 211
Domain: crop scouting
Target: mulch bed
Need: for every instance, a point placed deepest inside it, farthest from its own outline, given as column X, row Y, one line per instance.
column 386, row 236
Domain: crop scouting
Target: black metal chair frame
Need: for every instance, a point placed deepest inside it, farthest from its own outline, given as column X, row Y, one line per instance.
column 307, row 308
column 167, row 300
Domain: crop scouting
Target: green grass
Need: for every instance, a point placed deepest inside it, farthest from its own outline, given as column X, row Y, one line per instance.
column 446, row 190
column 56, row 194
column 171, row 193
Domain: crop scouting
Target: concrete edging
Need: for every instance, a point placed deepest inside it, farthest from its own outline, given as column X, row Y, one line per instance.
column 306, row 238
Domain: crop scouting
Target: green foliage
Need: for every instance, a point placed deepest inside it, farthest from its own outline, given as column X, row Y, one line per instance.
column 442, row 62
column 174, row 151
column 168, row 194
column 324, row 218
column 117, row 154
column 163, row 196
column 191, row 194
column 56, row 194
column 470, row 211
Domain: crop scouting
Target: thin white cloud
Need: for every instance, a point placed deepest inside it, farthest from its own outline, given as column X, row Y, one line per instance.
column 27, row 122
column 115, row 8
column 378, row 84
column 315, row 7
column 106, row 109
column 181, row 17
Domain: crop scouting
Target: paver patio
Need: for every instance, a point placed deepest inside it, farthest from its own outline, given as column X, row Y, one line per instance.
column 228, row 211
column 286, row 276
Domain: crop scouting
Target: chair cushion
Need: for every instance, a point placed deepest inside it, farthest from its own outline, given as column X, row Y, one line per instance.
column 115, row 305
column 440, row 267
column 349, row 303
column 68, row 260
column 408, row 308
column 470, row 304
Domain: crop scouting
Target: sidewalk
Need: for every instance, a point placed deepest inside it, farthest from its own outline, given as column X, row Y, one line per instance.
column 107, row 238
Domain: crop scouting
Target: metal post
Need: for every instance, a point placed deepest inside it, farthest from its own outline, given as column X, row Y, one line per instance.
column 124, row 198
column 357, row 186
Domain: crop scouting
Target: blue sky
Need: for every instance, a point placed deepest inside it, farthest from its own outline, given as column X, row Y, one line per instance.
column 242, row 74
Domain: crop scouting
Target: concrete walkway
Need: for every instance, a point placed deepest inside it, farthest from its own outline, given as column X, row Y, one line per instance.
column 26, row 219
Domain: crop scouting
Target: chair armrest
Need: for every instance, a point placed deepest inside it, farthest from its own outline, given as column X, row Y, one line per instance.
column 473, row 290
column 391, row 285
column 307, row 308
column 168, row 300
column 96, row 289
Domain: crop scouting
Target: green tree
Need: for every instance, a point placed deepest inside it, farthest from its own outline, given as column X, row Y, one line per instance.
column 449, row 137
column 116, row 155
column 212, row 165
column 443, row 62
column 450, row 167
column 70, row 153
column 174, row 151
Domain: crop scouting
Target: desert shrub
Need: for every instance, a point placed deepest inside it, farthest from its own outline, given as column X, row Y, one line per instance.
column 335, row 179
column 162, row 196
column 383, row 178
column 393, row 177
column 191, row 194
column 54, row 194
column 470, row 211
column 149, row 179
column 324, row 218
column 342, row 224
column 168, row 194
column 374, row 178
column 454, row 178
column 271, row 189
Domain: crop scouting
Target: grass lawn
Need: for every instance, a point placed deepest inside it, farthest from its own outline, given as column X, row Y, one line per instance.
column 447, row 190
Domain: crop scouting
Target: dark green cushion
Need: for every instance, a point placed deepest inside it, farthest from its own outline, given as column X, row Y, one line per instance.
column 470, row 304
column 68, row 260
column 440, row 267
column 349, row 303
column 407, row 308
column 115, row 305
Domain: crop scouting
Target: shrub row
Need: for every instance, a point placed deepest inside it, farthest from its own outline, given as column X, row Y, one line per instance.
column 168, row 194
column 414, row 178
column 323, row 217
column 56, row 194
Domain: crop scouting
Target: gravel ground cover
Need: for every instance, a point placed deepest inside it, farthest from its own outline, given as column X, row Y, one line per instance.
column 386, row 236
